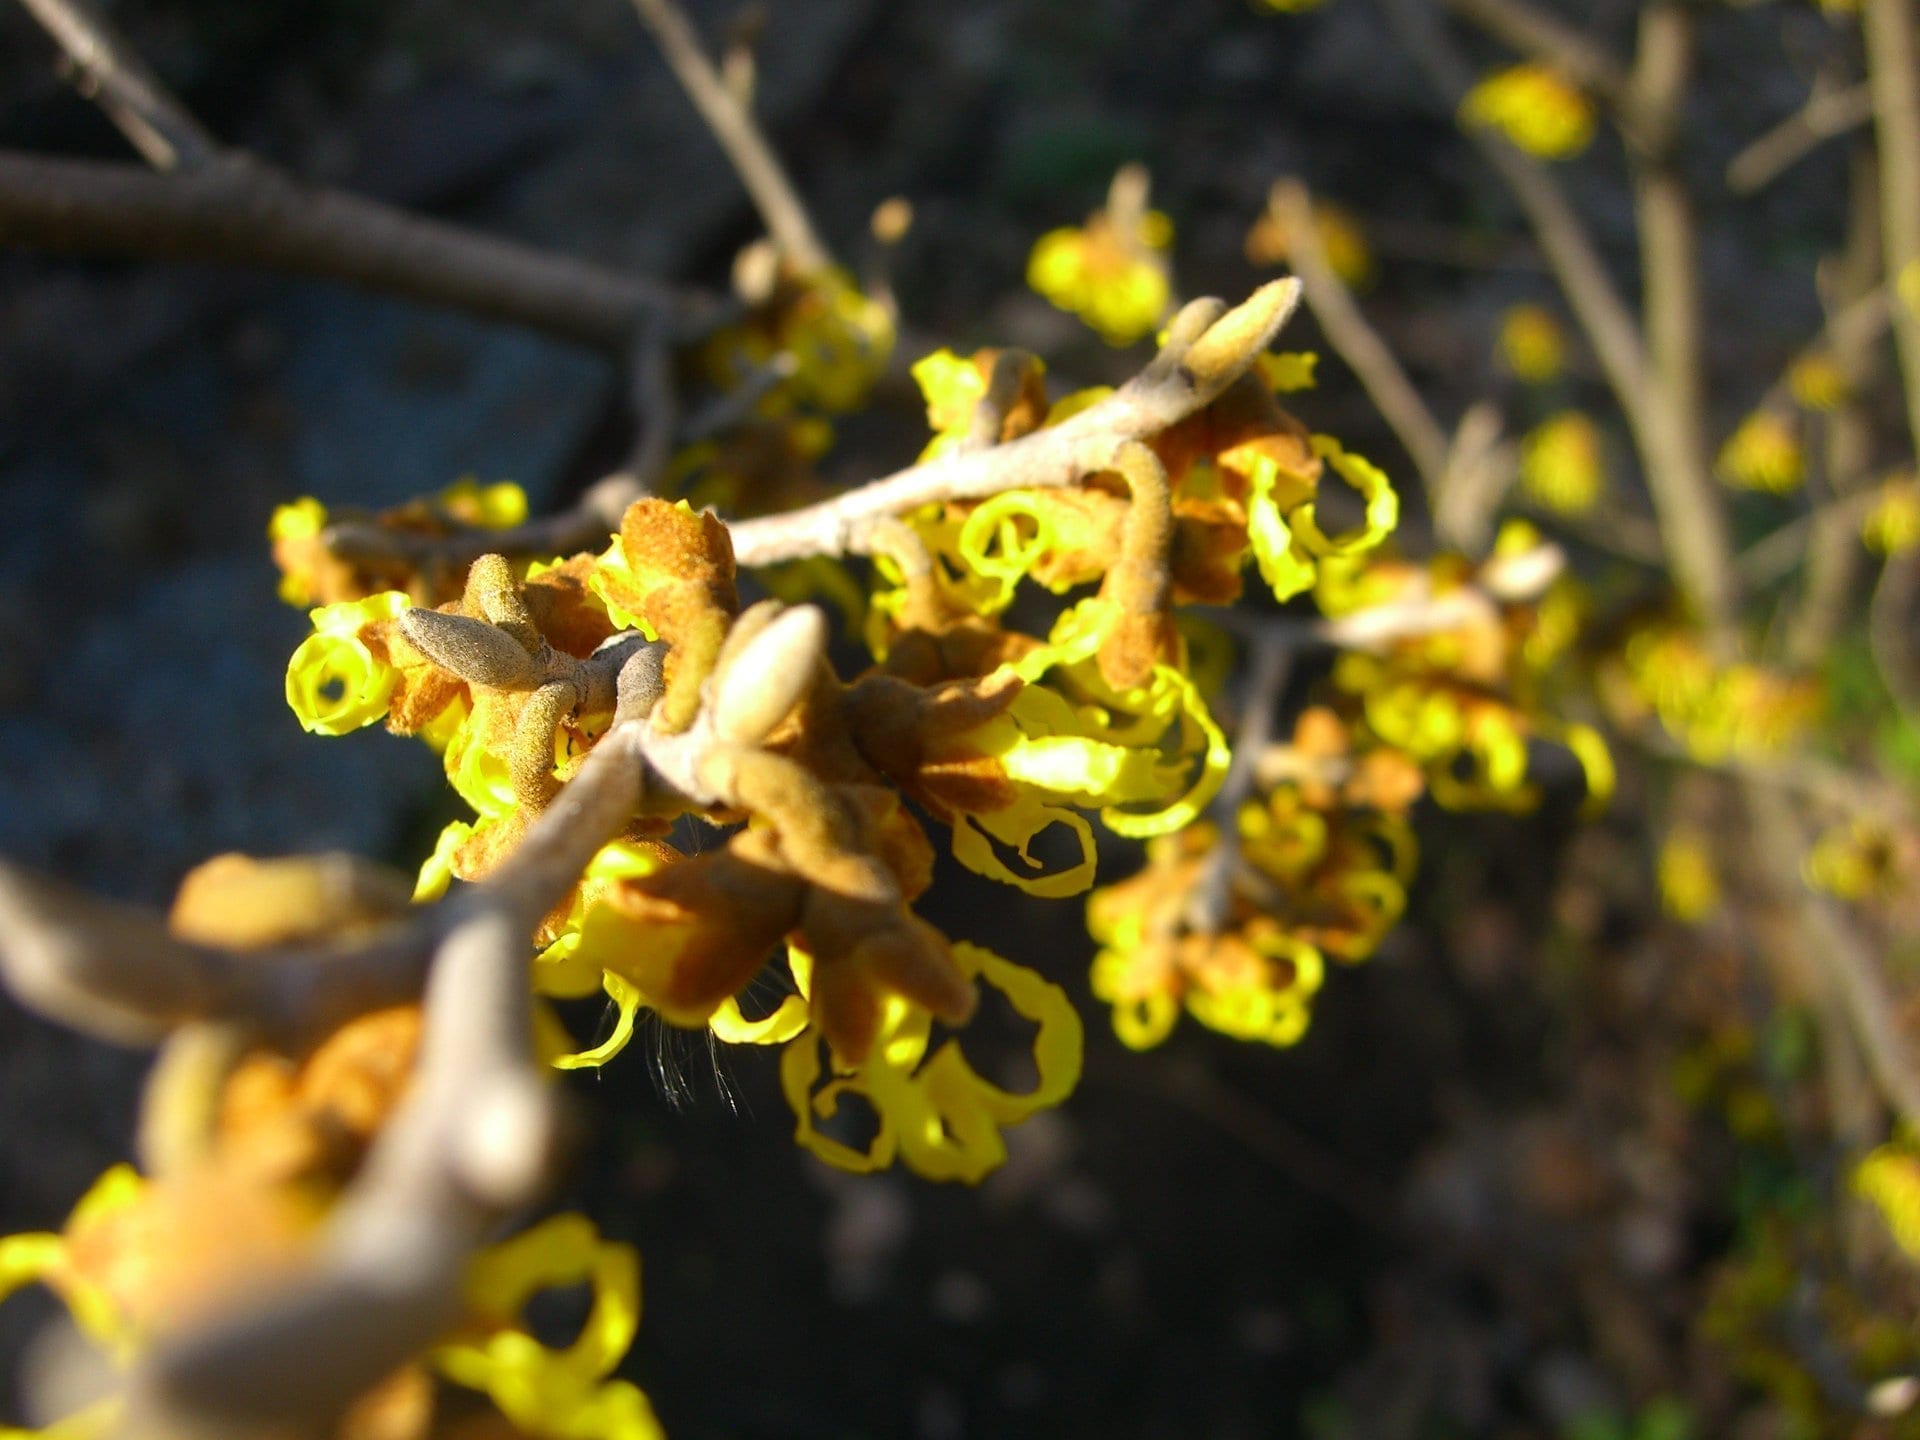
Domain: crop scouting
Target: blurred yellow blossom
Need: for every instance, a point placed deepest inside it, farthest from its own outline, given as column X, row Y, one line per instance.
column 1290, row 7
column 1763, row 454
column 1893, row 524
column 1531, row 343
column 1815, row 381
column 1889, row 1178
column 1112, row 271
column 1689, row 885
column 1534, row 106
column 1854, row 861
column 1560, row 463
column 1341, row 238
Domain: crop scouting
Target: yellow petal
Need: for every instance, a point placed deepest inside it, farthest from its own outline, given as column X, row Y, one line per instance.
column 627, row 998
column 1015, row 827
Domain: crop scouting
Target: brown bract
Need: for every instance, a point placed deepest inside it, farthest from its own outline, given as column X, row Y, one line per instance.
column 680, row 580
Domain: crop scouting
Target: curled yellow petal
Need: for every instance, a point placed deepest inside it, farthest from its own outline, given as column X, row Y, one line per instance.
column 788, row 1019
column 627, row 1000
column 800, row 1071
column 560, row 1394
column 334, row 682
column 1215, row 757
column 1016, row 827
column 1383, row 505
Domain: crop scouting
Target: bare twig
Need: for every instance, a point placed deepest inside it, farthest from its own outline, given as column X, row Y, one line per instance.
column 1830, row 110
column 1182, row 378
column 1843, row 957
column 1210, row 906
column 1691, row 521
column 1893, row 53
column 117, row 973
column 106, row 70
column 734, row 127
column 1890, row 628
column 1834, row 551
column 239, row 211
column 1768, row 559
column 1357, row 342
column 1692, row 517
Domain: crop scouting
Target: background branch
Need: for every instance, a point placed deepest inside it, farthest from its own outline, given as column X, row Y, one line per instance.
column 728, row 116
column 239, row 211
column 105, row 69
column 1358, row 343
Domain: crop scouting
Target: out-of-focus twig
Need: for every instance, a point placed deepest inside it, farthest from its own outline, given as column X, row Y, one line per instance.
column 1842, row 955
column 1210, row 906
column 239, row 211
column 115, row 972
column 1893, row 53
column 1834, row 555
column 1830, row 110
column 1673, row 412
column 1640, row 371
column 733, row 125
column 107, row 71
column 1357, row 342
column 476, row 1139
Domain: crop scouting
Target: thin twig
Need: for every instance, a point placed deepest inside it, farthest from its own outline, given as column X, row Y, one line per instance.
column 239, row 211
column 1834, row 552
column 739, row 135
column 1210, row 906
column 1183, row 378
column 1829, row 936
column 1686, row 500
column 1829, row 111
column 1357, row 342
column 1691, row 522
column 105, row 69
column 1893, row 53
column 1771, row 558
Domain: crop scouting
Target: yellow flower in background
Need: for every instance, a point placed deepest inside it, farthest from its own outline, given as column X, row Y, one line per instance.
column 1111, row 275
column 1893, row 524
column 1763, row 454
column 1341, row 239
column 1689, row 884
column 499, row 506
column 1854, row 861
column 1560, row 463
column 1815, row 382
column 1534, row 106
column 1531, row 343
column 335, row 683
column 1290, row 7
column 1889, row 1179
